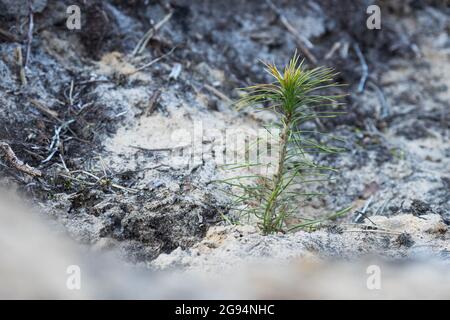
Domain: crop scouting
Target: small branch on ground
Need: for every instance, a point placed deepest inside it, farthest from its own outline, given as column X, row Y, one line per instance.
column 54, row 146
column 16, row 163
column 159, row 149
column 30, row 32
column 303, row 43
column 99, row 180
column 153, row 102
column 48, row 112
column 149, row 34
column 362, row 213
column 364, row 67
column 8, row 36
column 151, row 62
column 336, row 46
column 218, row 93
column 385, row 107
column 19, row 63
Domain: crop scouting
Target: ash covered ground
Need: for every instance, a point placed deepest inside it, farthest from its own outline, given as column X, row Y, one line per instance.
column 94, row 111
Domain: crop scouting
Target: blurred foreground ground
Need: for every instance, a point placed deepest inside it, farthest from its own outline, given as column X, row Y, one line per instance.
column 35, row 258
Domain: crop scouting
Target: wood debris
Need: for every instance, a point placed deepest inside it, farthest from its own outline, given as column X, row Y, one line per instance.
column 16, row 163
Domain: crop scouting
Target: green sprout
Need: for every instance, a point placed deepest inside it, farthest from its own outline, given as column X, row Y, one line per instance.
column 272, row 197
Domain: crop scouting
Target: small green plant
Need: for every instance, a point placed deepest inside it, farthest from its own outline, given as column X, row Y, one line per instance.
column 274, row 196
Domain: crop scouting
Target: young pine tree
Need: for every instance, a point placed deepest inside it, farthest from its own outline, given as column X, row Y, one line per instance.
column 294, row 97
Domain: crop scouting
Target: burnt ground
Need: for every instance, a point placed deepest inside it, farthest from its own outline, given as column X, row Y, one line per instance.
column 94, row 123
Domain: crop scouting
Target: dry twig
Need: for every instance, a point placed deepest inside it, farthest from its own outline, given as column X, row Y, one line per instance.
column 365, row 68
column 362, row 213
column 385, row 107
column 158, row 149
column 19, row 62
column 149, row 34
column 30, row 32
column 152, row 62
column 218, row 93
column 50, row 113
column 98, row 181
column 303, row 43
column 376, row 231
column 333, row 49
column 153, row 102
column 8, row 36
column 56, row 142
column 16, row 163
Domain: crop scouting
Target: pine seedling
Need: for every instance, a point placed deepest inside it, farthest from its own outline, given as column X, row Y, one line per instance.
column 274, row 195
